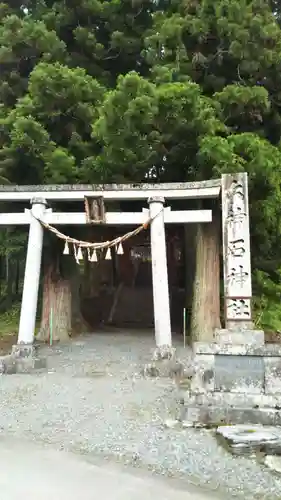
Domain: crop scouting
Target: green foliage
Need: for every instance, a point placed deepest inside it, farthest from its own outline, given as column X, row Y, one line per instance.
column 10, row 318
column 12, row 241
column 144, row 126
column 127, row 90
column 267, row 296
column 51, row 125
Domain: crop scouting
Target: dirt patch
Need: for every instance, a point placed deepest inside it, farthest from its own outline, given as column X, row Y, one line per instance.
column 6, row 342
column 272, row 337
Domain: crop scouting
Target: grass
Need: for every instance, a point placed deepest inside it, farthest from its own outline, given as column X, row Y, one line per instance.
column 9, row 321
column 9, row 325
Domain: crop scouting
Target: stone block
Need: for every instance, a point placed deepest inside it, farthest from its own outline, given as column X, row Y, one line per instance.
column 203, row 378
column 205, row 348
column 242, row 374
column 194, row 415
column 232, row 400
column 248, row 337
column 236, row 350
column 220, row 415
column 272, row 375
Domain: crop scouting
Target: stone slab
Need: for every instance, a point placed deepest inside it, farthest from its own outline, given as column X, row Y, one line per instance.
column 249, row 438
column 231, row 399
column 272, row 375
column 203, row 348
column 221, row 415
column 241, row 337
column 239, row 373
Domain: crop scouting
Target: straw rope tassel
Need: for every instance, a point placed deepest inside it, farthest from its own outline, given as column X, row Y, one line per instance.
column 120, row 250
column 66, row 248
column 75, row 254
column 94, row 257
column 79, row 254
column 108, row 254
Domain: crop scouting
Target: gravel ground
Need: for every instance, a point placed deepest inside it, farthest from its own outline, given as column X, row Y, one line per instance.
column 94, row 401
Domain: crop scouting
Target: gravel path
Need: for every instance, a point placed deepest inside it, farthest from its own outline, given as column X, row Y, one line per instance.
column 93, row 400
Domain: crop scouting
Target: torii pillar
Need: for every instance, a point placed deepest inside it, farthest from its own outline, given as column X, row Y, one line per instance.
column 32, row 274
column 161, row 300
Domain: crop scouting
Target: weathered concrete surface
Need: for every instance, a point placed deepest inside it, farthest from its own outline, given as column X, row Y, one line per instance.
column 39, row 473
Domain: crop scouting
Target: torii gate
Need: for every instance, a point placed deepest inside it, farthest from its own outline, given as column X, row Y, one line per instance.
column 156, row 196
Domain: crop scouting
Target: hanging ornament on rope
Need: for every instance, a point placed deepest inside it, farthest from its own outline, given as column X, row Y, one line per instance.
column 75, row 254
column 120, row 250
column 94, row 257
column 108, row 254
column 79, row 254
column 66, row 248
column 106, row 245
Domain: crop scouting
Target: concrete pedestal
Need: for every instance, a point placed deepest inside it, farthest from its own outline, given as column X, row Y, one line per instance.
column 234, row 382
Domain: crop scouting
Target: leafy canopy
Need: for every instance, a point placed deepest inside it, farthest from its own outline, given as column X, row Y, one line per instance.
column 101, row 91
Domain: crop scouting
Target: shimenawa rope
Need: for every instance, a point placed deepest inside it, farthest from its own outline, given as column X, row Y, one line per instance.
column 79, row 244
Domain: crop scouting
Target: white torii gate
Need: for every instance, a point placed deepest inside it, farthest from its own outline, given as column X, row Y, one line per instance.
column 159, row 215
column 155, row 194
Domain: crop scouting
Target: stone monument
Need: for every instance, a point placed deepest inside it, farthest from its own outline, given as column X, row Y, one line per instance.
column 237, row 377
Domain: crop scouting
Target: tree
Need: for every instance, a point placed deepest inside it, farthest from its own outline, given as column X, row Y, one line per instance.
column 99, row 91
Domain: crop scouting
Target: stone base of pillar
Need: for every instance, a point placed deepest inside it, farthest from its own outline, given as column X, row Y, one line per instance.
column 165, row 363
column 167, row 368
column 24, row 358
column 164, row 352
column 233, row 383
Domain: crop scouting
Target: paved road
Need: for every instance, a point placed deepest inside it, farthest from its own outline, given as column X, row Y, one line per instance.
column 39, row 473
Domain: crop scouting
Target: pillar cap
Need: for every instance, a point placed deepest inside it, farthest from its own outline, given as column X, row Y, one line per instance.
column 38, row 201
column 156, row 199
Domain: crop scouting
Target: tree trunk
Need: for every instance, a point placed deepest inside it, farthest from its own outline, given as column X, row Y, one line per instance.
column 206, row 290
column 61, row 307
column 190, row 231
column 56, row 308
column 78, row 323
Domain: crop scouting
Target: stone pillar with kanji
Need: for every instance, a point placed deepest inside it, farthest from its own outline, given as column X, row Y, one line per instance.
column 236, row 251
